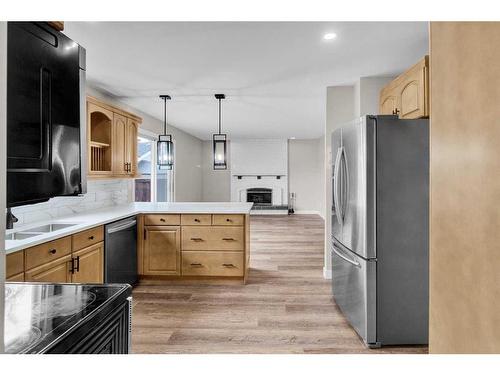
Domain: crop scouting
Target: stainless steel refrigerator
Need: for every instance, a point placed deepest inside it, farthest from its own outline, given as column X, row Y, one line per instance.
column 380, row 228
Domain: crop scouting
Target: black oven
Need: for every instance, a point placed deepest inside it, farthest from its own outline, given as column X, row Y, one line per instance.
column 45, row 114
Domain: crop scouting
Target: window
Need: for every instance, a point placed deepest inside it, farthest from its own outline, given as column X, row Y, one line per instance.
column 152, row 184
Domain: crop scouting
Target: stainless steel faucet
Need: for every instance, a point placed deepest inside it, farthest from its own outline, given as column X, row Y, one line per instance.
column 11, row 219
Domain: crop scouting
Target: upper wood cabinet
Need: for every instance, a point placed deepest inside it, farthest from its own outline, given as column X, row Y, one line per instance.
column 408, row 94
column 112, row 140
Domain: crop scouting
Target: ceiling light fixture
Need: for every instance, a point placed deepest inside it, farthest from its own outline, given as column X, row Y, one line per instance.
column 329, row 36
column 165, row 145
column 220, row 141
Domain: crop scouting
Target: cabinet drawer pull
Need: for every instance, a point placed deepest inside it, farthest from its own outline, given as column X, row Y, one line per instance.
column 228, row 239
column 196, row 265
column 162, row 220
column 197, row 220
column 196, row 239
column 91, row 237
column 72, row 269
column 228, row 220
column 229, row 265
column 77, row 268
column 52, row 251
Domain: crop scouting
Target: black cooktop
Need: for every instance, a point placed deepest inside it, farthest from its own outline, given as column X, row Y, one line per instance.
column 37, row 315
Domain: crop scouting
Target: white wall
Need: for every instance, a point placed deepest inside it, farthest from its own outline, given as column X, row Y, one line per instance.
column 259, row 157
column 306, row 174
column 188, row 150
column 340, row 108
column 3, row 172
column 216, row 183
column 367, row 93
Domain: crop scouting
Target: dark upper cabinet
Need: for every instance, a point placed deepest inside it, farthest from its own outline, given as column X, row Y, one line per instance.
column 45, row 84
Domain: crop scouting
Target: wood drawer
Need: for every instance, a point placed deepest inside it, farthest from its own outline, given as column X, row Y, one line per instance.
column 47, row 252
column 228, row 220
column 212, row 263
column 220, row 238
column 196, row 219
column 162, row 220
column 15, row 263
column 17, row 278
column 88, row 238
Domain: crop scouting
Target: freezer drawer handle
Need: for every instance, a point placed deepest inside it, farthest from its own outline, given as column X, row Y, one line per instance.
column 337, row 251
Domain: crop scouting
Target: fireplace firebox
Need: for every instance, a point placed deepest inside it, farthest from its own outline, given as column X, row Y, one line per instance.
column 260, row 196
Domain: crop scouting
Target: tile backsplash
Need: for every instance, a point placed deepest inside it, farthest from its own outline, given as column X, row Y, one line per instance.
column 100, row 193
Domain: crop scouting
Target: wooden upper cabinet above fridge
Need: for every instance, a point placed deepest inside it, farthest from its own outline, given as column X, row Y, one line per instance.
column 408, row 95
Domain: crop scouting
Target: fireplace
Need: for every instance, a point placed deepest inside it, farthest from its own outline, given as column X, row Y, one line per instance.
column 260, row 196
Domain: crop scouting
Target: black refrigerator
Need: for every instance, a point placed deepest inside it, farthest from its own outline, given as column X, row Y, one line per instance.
column 45, row 114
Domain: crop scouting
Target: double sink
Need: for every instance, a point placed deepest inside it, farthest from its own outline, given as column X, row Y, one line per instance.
column 37, row 231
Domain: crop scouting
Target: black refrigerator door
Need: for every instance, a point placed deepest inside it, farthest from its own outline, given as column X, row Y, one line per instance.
column 43, row 114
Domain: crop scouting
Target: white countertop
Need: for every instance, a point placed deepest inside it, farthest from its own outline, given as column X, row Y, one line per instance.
column 106, row 215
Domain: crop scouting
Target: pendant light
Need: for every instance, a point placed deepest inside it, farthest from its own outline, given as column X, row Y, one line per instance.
column 165, row 144
column 220, row 142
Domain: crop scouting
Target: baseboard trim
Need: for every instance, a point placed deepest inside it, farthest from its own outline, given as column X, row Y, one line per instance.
column 327, row 273
column 307, row 212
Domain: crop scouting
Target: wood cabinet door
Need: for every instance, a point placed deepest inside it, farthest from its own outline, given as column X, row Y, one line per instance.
column 14, row 263
column 17, row 278
column 388, row 103
column 414, row 92
column 57, row 271
column 162, row 250
column 412, row 97
column 131, row 146
column 89, row 263
column 118, row 144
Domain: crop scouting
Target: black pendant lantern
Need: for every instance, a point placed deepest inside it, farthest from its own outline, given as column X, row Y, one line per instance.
column 220, row 142
column 165, row 144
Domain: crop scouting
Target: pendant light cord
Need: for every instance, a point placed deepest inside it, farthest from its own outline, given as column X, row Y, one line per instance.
column 165, row 116
column 219, row 116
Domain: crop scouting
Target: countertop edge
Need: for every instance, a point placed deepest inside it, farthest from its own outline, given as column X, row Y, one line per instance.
column 83, row 221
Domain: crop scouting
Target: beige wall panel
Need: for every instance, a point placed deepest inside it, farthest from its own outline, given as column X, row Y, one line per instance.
column 465, row 188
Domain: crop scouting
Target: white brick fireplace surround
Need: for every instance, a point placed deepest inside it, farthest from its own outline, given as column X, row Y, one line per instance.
column 260, row 163
column 279, row 188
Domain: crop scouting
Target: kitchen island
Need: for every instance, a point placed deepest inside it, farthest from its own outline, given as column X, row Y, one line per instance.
column 188, row 240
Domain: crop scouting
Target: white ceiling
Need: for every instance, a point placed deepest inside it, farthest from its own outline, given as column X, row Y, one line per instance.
column 274, row 74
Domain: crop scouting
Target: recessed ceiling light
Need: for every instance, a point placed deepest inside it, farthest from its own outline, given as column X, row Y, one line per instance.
column 329, row 36
column 292, row 137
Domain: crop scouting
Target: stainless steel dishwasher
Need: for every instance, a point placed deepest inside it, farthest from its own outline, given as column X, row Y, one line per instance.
column 120, row 255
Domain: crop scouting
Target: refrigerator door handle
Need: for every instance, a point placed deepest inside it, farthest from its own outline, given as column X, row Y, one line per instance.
column 337, row 251
column 345, row 184
column 336, row 169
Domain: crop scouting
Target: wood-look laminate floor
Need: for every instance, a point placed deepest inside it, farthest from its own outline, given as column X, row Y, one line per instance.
column 285, row 307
